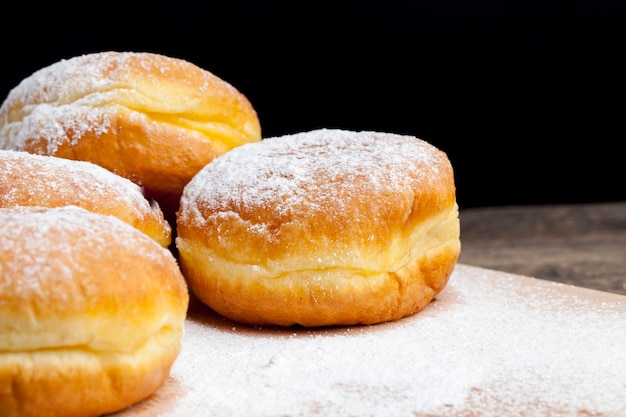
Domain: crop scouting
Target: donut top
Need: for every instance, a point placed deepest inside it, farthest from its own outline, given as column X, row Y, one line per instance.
column 49, row 180
column 331, row 173
column 35, row 180
column 85, row 93
column 40, row 240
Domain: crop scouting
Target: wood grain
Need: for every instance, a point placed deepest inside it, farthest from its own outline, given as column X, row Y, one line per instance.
column 583, row 245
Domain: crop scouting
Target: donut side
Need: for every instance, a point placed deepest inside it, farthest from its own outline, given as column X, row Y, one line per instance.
column 91, row 313
column 36, row 180
column 153, row 119
column 327, row 227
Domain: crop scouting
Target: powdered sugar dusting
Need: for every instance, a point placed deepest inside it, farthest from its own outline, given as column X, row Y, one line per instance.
column 54, row 123
column 67, row 96
column 37, row 241
column 282, row 174
column 492, row 344
column 47, row 180
column 85, row 94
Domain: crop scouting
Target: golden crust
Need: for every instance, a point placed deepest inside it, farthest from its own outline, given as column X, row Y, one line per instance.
column 57, row 383
column 153, row 119
column 35, row 180
column 321, row 228
column 91, row 313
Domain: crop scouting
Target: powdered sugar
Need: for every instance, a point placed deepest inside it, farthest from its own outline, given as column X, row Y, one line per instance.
column 286, row 173
column 63, row 101
column 491, row 344
column 37, row 240
column 67, row 96
column 49, row 180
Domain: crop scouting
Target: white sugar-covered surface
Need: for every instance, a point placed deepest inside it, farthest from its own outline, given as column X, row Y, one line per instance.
column 491, row 344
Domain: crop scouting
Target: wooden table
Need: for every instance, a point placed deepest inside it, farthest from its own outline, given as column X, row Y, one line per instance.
column 582, row 245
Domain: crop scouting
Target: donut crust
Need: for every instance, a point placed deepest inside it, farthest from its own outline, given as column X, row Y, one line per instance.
column 91, row 313
column 327, row 227
column 36, row 180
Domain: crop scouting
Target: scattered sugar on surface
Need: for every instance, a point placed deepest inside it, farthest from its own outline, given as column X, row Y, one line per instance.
column 283, row 173
column 484, row 348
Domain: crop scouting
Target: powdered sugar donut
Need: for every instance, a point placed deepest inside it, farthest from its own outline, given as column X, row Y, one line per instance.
column 36, row 180
column 92, row 313
column 327, row 227
column 153, row 119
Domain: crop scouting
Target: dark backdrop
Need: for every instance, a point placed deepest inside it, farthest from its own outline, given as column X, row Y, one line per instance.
column 526, row 98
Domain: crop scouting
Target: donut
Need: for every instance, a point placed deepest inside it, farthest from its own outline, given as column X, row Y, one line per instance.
column 153, row 119
column 37, row 180
column 91, row 313
column 320, row 228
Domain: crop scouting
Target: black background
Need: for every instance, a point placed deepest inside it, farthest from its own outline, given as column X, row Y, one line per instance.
column 526, row 98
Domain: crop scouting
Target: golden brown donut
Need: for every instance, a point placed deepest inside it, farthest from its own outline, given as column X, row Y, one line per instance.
column 153, row 119
column 326, row 227
column 36, row 180
column 91, row 313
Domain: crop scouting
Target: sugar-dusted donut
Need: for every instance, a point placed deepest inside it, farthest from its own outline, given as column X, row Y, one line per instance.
column 326, row 227
column 92, row 313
